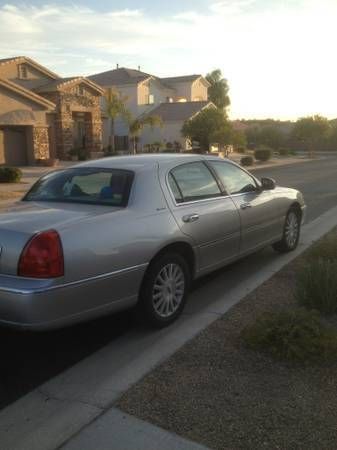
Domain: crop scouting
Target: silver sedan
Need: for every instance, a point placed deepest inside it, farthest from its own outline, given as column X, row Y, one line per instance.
column 134, row 231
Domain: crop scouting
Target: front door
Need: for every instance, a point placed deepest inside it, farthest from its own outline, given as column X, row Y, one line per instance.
column 205, row 214
column 261, row 222
column 79, row 133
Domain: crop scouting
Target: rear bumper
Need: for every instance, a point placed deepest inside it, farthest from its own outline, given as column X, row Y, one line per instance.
column 40, row 305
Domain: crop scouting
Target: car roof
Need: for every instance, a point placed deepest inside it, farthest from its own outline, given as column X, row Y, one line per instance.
column 140, row 162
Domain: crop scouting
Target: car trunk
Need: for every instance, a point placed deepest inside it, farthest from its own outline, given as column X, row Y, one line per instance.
column 20, row 222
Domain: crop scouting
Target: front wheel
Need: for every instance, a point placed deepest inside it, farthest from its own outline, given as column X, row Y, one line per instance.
column 291, row 232
column 164, row 290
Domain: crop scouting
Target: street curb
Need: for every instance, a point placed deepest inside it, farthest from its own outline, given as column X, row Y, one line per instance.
column 61, row 408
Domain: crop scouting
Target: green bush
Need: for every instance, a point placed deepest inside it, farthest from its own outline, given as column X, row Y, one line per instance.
column 325, row 248
column 263, row 154
column 247, row 161
column 284, row 152
column 293, row 335
column 10, row 175
column 317, row 285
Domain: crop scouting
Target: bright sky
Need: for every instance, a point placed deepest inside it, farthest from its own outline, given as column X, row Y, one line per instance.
column 279, row 56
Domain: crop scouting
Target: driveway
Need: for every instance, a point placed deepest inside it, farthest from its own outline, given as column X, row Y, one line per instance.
column 28, row 360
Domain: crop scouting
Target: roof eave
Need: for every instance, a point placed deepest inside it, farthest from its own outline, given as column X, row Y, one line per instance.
column 22, row 59
column 27, row 93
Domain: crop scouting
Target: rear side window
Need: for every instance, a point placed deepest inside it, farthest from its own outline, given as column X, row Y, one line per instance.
column 193, row 181
column 84, row 185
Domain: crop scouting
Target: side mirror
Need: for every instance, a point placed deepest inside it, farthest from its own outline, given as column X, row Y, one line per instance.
column 267, row 184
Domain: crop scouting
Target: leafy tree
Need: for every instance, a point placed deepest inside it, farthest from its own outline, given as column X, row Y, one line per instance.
column 238, row 139
column 206, row 127
column 332, row 139
column 218, row 90
column 312, row 132
column 136, row 126
column 115, row 105
column 271, row 136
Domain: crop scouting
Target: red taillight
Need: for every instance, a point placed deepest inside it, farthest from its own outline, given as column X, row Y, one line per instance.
column 42, row 257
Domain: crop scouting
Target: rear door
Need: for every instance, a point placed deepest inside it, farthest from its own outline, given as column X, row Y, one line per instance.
column 204, row 213
column 260, row 218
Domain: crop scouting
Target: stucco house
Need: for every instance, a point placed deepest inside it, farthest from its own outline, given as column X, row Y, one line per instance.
column 43, row 115
column 174, row 99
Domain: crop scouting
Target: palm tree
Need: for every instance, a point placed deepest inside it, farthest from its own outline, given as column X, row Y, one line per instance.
column 136, row 126
column 218, row 90
column 115, row 106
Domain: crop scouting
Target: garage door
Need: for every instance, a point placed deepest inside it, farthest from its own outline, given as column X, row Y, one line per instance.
column 13, row 146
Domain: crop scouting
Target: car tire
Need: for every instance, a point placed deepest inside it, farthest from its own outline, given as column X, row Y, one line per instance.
column 164, row 290
column 291, row 232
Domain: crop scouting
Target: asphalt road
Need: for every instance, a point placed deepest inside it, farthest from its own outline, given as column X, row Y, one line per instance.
column 27, row 360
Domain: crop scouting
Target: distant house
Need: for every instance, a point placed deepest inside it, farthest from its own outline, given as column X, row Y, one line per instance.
column 174, row 99
column 43, row 115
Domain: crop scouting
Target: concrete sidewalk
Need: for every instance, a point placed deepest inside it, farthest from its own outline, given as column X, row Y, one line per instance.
column 116, row 430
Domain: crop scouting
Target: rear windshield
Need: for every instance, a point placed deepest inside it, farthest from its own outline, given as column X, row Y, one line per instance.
column 84, row 185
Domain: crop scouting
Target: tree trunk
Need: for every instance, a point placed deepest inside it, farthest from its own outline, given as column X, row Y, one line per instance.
column 112, row 136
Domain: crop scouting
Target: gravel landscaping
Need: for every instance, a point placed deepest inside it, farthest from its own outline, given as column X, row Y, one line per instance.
column 218, row 392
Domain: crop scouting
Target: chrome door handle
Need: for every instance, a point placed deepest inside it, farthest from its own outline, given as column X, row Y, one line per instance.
column 245, row 205
column 190, row 218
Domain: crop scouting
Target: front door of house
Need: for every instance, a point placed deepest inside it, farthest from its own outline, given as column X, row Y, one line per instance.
column 79, row 133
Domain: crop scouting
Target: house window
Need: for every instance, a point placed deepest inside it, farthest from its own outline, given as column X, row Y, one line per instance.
column 23, row 73
column 150, row 99
column 80, row 90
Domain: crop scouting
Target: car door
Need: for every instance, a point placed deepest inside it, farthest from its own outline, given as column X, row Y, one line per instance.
column 260, row 218
column 204, row 213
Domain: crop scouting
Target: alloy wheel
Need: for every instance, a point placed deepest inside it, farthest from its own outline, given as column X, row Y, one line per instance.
column 168, row 290
column 292, row 229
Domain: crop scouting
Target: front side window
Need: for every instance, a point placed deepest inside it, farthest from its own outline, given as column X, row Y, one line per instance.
column 84, row 185
column 193, row 181
column 235, row 180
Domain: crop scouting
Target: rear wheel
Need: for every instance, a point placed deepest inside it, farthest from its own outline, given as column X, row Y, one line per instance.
column 164, row 290
column 291, row 232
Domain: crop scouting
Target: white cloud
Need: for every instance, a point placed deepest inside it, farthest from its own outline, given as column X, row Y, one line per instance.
column 230, row 7
column 278, row 59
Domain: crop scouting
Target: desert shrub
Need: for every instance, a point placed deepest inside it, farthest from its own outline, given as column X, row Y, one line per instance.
column 263, row 153
column 10, row 175
column 284, row 152
column 247, row 161
column 293, row 335
column 316, row 286
column 241, row 150
column 325, row 248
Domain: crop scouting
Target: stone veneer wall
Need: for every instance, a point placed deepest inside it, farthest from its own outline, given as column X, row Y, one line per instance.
column 41, row 142
column 67, row 103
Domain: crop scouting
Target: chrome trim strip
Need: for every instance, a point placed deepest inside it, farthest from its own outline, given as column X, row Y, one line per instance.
column 210, row 199
column 71, row 283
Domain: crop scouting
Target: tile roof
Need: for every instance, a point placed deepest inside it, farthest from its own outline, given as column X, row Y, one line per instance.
column 55, row 84
column 5, row 60
column 124, row 75
column 181, row 79
column 119, row 76
column 179, row 111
